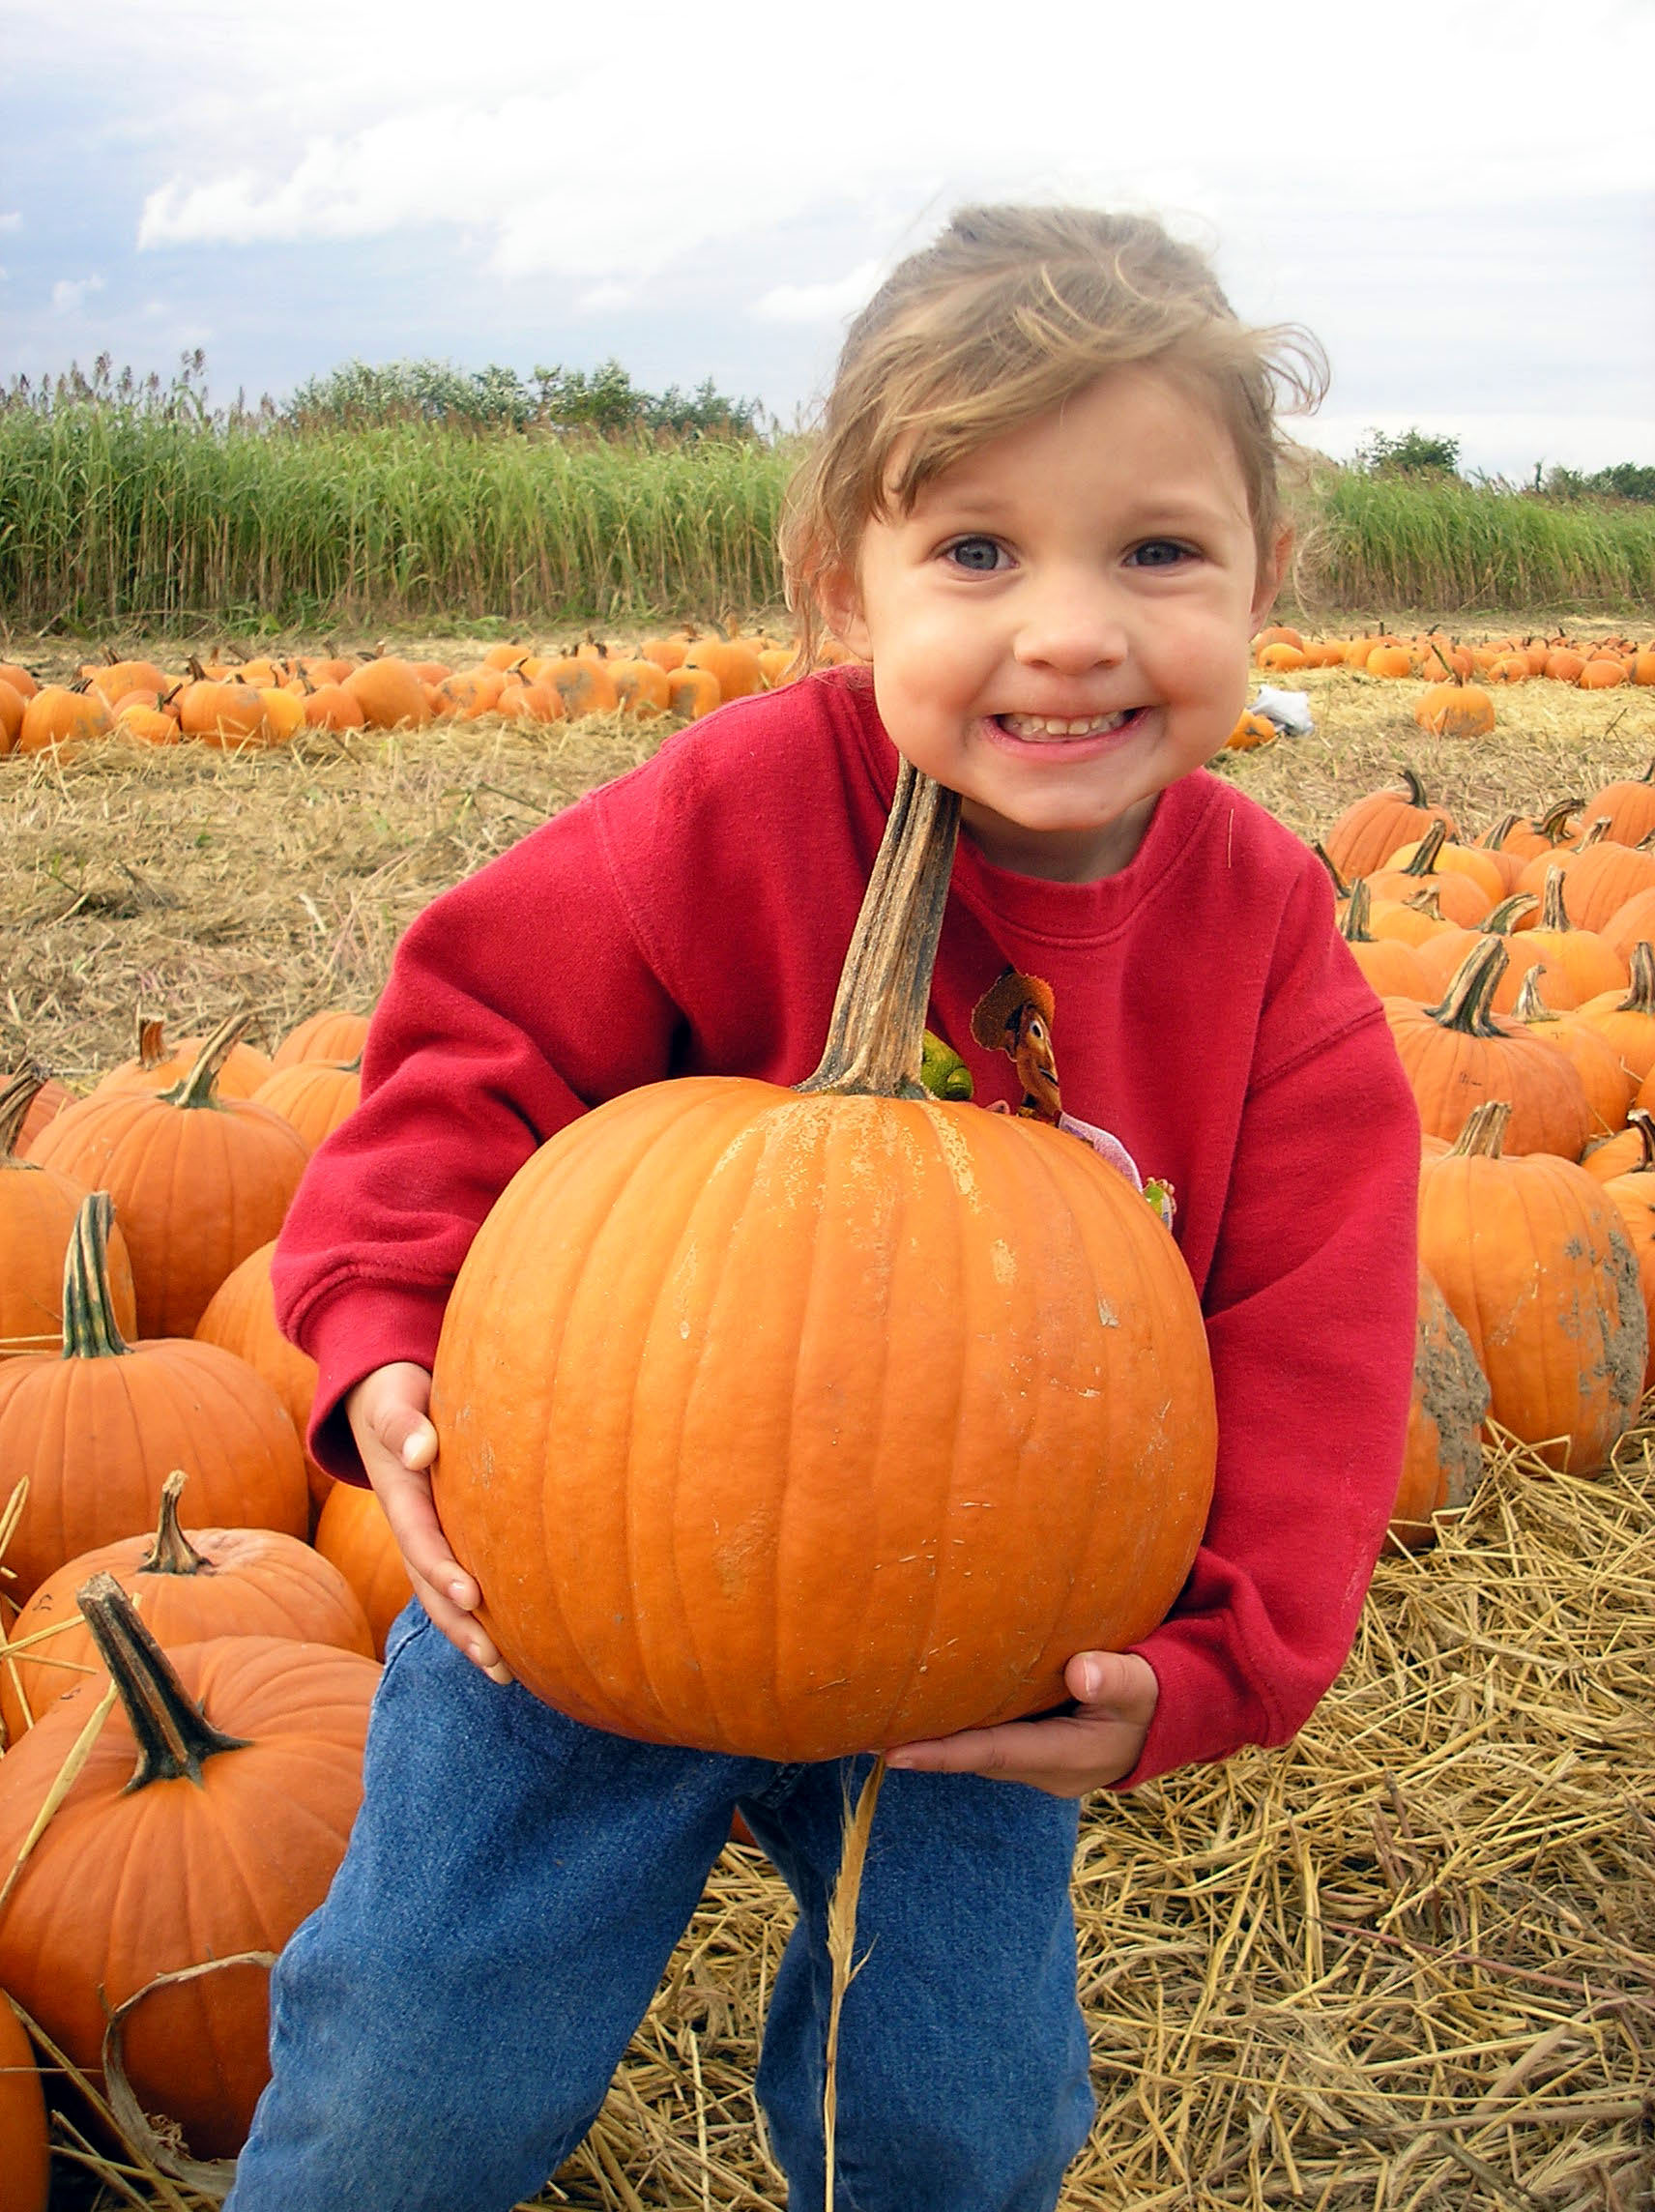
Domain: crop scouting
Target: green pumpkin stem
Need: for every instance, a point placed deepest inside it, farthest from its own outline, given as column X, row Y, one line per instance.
column 1492, row 839
column 1500, row 920
column 1467, row 1003
column 1484, row 1127
column 199, row 1086
column 174, row 1738
column 89, row 1329
column 172, row 1552
column 1415, row 788
column 1424, row 860
column 1555, row 822
column 1341, row 888
column 18, row 1093
column 876, row 1038
column 1354, row 923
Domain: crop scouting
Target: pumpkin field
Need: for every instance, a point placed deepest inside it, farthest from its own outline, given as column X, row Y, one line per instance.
column 1407, row 1961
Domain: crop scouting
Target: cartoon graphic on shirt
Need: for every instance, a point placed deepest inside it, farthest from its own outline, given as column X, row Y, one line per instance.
column 1015, row 1016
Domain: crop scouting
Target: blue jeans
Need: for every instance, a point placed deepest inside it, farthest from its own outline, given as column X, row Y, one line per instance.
column 444, row 2028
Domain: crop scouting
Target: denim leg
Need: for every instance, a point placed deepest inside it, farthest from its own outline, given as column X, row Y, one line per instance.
column 445, row 2026
column 963, row 2057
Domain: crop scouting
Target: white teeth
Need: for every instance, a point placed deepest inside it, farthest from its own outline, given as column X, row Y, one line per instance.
column 1048, row 726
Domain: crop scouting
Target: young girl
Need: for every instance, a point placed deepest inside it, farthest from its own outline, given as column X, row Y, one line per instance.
column 1044, row 510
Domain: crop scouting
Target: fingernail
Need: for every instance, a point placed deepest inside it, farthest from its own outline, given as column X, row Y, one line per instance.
column 897, row 1761
column 1091, row 1678
column 459, row 1591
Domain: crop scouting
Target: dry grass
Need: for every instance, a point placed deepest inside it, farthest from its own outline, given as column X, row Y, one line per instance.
column 1409, row 1962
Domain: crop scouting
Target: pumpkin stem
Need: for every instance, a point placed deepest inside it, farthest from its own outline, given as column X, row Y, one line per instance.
column 1530, row 1007
column 1492, row 839
column 1341, row 888
column 89, row 1329
column 1415, row 789
column 200, row 1085
column 1484, row 1127
column 1354, row 922
column 1639, row 998
column 174, row 1738
column 1499, row 919
column 1554, row 823
column 1554, row 914
column 152, row 1041
column 876, row 1038
column 18, row 1093
column 1644, row 1121
column 1426, row 902
column 1424, row 860
column 1597, row 832
column 172, row 1552
column 1466, row 1004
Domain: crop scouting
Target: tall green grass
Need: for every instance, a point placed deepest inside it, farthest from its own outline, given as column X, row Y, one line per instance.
column 1378, row 541
column 105, row 517
column 112, row 516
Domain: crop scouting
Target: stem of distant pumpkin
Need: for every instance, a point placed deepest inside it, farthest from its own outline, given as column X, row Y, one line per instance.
column 876, row 1038
column 172, row 1552
column 198, row 1086
column 174, row 1738
column 89, row 1329
column 18, row 1093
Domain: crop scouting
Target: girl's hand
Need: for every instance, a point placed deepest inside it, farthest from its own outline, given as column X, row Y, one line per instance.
column 1067, row 1754
column 388, row 1419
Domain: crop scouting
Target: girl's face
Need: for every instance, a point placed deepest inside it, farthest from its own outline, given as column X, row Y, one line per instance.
column 1059, row 628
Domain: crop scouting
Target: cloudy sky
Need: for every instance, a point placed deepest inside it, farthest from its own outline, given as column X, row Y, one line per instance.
column 1457, row 198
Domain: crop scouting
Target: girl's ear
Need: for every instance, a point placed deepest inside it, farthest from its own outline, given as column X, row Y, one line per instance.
column 1271, row 571
column 841, row 605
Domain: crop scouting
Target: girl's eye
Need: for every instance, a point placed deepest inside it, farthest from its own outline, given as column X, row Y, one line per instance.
column 980, row 555
column 1159, row 553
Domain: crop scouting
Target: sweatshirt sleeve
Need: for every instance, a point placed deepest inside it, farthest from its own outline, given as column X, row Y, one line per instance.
column 482, row 1047
column 1310, row 1312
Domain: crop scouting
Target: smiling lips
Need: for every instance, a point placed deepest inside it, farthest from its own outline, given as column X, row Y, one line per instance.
column 1048, row 729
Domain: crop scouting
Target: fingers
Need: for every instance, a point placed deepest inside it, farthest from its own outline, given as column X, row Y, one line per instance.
column 398, row 1447
column 1066, row 1756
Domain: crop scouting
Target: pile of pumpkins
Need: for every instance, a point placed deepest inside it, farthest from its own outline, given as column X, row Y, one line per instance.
column 1460, row 679
column 271, row 701
column 151, row 1418
column 1515, row 968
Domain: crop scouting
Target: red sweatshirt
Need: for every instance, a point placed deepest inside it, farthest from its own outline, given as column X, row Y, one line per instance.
column 691, row 919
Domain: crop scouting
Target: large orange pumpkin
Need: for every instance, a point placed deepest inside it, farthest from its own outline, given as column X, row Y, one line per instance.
column 1530, row 1255
column 1370, row 830
column 207, row 1820
column 158, row 1065
column 213, row 1581
column 333, row 1032
column 98, row 1428
column 788, row 1423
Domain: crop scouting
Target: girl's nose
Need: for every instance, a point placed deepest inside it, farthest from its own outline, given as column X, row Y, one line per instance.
column 1072, row 629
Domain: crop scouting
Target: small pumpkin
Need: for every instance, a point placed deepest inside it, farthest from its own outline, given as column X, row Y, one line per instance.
column 315, row 1096
column 25, row 2149
column 389, row 694
column 241, row 1317
column 1371, row 828
column 333, row 1032
column 354, row 1533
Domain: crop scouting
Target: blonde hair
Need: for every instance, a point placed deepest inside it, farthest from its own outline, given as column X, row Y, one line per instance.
column 1011, row 311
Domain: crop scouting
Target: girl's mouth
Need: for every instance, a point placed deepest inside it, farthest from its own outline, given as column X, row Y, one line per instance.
column 1053, row 730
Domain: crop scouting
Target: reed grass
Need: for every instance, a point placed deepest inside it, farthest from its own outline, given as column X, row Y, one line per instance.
column 111, row 516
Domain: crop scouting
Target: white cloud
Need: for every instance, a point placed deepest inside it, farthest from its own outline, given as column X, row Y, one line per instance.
column 829, row 302
column 70, row 294
column 11, row 222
